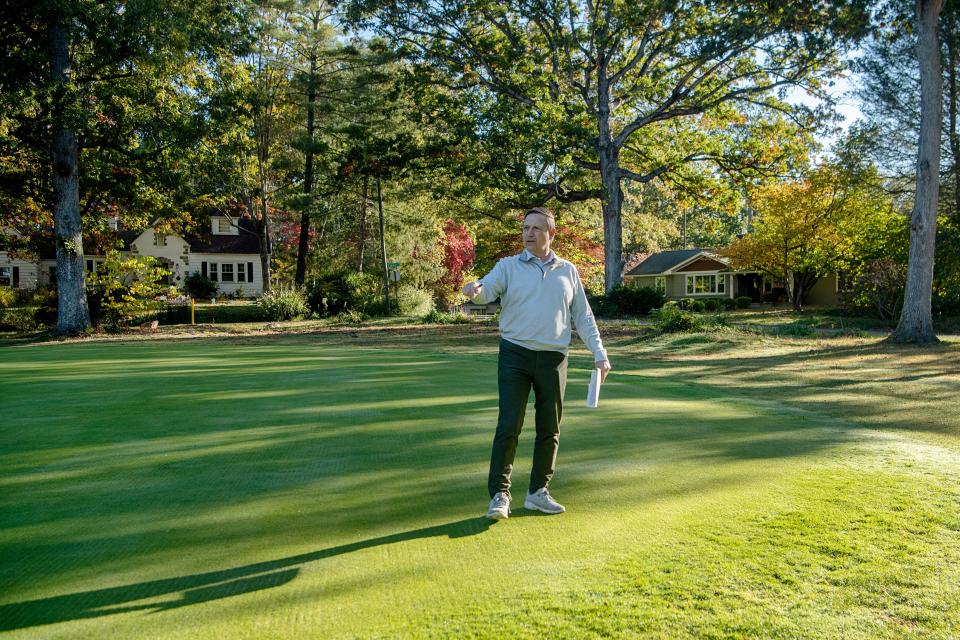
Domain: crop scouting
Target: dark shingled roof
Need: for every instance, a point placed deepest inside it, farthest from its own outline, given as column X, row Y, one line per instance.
column 657, row 263
column 246, row 242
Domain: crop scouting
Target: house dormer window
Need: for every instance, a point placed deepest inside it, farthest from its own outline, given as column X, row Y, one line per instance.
column 224, row 226
column 159, row 240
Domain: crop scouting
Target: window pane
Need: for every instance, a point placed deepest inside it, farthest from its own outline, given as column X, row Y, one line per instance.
column 721, row 284
column 704, row 284
column 5, row 276
column 223, row 225
column 660, row 284
column 226, row 272
column 241, row 272
column 213, row 271
column 689, row 284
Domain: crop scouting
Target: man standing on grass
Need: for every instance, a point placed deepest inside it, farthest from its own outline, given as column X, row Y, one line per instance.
column 540, row 297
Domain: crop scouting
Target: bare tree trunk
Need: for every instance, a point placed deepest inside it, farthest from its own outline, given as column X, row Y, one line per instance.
column 383, row 250
column 303, row 247
column 952, row 61
column 263, row 179
column 609, row 157
column 265, row 249
column 73, row 316
column 916, row 320
column 363, row 224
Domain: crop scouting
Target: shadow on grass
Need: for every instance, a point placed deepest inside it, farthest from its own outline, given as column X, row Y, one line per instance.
column 204, row 587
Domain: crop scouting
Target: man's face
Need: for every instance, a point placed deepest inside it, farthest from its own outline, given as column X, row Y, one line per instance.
column 537, row 234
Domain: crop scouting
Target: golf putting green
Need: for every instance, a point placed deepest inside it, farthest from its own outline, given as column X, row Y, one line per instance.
column 307, row 488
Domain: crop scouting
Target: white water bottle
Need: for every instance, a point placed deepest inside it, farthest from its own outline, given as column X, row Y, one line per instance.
column 593, row 391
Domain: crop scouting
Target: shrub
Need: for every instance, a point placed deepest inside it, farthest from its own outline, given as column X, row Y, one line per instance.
column 442, row 317
column 635, row 301
column 685, row 303
column 18, row 319
column 200, row 287
column 743, row 302
column 127, row 287
column 413, row 301
column 602, row 306
column 282, row 304
column 672, row 319
column 697, row 306
column 45, row 301
column 711, row 304
column 364, row 292
column 880, row 286
column 728, row 304
column 351, row 316
column 329, row 295
column 332, row 294
column 8, row 297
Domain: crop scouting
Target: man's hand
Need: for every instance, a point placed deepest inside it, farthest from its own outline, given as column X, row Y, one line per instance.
column 471, row 289
column 604, row 366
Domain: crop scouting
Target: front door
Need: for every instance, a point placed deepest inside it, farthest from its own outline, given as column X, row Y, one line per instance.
column 748, row 284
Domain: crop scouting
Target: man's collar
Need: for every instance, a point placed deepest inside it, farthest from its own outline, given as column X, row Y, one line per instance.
column 527, row 256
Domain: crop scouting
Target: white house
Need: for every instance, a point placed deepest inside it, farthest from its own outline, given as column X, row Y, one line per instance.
column 227, row 253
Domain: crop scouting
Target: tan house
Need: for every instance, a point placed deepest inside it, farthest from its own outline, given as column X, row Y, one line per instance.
column 227, row 253
column 702, row 273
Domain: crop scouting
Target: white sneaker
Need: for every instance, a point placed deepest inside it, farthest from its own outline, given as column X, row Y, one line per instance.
column 499, row 507
column 541, row 500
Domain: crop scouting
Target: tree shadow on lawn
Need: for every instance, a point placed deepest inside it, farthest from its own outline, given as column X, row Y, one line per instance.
column 872, row 384
column 205, row 587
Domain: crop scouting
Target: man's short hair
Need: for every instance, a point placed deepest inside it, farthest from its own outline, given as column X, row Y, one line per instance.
column 546, row 213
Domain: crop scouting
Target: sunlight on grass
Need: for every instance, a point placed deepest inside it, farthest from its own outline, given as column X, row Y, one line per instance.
column 301, row 488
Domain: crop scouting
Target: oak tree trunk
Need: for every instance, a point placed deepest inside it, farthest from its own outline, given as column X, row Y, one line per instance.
column 916, row 321
column 609, row 157
column 73, row 316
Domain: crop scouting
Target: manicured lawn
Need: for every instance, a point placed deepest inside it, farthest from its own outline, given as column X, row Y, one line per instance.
column 331, row 486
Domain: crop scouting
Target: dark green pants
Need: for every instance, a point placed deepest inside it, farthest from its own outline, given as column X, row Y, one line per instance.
column 518, row 370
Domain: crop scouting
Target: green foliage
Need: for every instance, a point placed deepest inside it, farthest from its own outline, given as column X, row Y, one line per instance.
column 414, row 302
column 45, row 301
column 200, row 287
column 8, row 297
column 837, row 217
column 697, row 305
column 880, row 288
column 352, row 316
column 18, row 319
column 672, row 319
column 635, row 301
column 333, row 294
column 364, row 291
column 328, row 296
column 126, row 287
column 711, row 304
column 743, row 302
column 443, row 317
column 728, row 304
column 281, row 303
